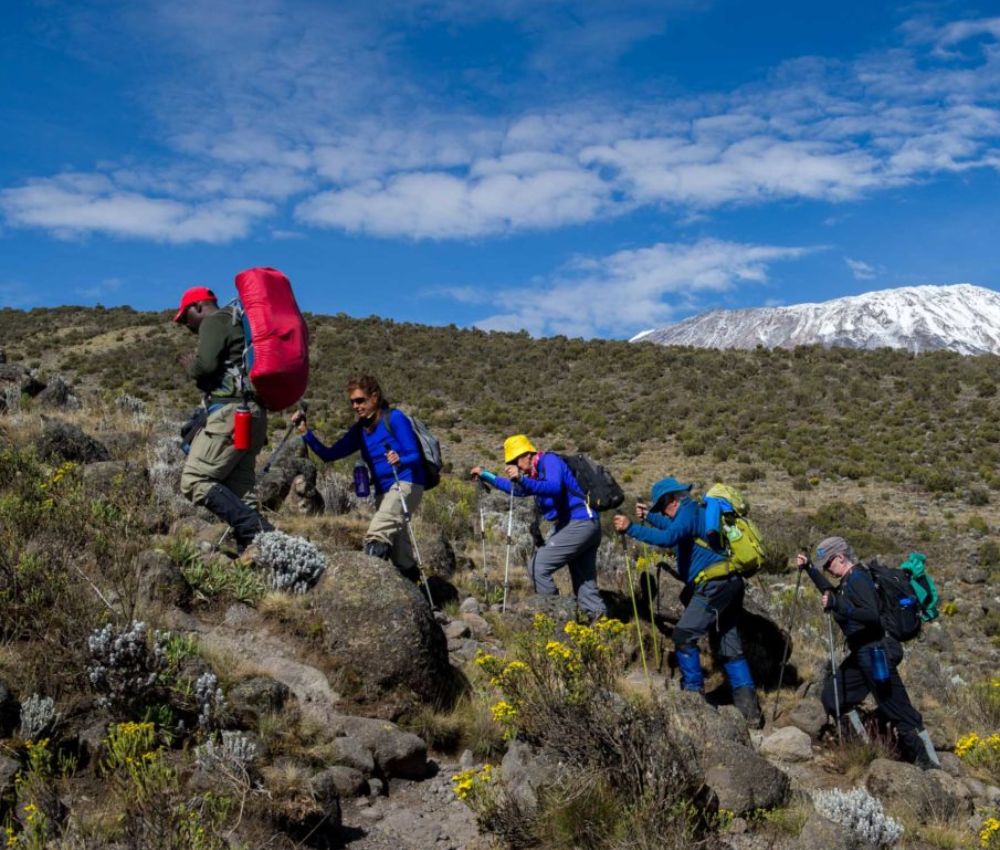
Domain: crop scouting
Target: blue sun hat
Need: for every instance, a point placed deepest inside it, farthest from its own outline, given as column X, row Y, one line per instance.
column 664, row 487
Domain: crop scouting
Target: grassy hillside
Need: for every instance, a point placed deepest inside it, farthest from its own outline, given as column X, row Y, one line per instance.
column 812, row 414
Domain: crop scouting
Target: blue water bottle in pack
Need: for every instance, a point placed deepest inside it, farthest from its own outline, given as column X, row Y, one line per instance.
column 362, row 483
column 880, row 665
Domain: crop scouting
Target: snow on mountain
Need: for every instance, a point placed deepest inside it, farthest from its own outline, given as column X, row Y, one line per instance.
column 962, row 317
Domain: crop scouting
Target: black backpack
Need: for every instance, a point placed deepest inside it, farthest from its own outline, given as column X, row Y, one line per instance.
column 597, row 486
column 899, row 608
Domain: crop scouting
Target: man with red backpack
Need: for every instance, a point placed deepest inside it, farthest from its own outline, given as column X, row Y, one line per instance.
column 216, row 474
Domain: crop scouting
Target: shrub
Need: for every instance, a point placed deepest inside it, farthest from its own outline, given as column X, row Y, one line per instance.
column 860, row 814
column 295, row 563
column 125, row 666
column 38, row 716
column 980, row 752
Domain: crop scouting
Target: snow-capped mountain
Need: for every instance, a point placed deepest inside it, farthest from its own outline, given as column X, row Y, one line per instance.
column 962, row 318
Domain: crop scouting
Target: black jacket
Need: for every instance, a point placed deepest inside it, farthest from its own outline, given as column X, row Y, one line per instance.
column 855, row 605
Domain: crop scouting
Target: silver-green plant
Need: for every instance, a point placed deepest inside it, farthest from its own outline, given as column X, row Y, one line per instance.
column 38, row 717
column 233, row 754
column 860, row 814
column 210, row 699
column 295, row 563
column 125, row 665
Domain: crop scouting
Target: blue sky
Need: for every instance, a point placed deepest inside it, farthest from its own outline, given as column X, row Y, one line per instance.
column 587, row 167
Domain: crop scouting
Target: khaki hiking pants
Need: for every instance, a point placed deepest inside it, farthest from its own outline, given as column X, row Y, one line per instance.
column 213, row 460
column 389, row 526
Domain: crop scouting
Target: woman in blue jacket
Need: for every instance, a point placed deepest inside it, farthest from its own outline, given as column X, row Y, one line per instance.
column 385, row 439
column 712, row 595
column 558, row 497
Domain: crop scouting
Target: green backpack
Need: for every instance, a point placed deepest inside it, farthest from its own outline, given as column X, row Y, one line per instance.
column 739, row 533
column 915, row 566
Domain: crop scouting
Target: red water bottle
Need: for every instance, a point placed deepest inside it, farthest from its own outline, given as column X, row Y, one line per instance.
column 241, row 428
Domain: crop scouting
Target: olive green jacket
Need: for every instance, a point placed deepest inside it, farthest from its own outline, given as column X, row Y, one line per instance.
column 220, row 348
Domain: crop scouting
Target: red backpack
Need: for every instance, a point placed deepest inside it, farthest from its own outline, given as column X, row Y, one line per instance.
column 276, row 356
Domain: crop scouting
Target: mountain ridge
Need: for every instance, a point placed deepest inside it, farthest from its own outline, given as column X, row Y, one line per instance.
column 962, row 317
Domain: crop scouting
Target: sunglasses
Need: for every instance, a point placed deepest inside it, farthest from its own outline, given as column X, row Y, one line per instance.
column 357, row 401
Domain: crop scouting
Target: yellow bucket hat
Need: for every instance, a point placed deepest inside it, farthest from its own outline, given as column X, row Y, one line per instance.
column 514, row 447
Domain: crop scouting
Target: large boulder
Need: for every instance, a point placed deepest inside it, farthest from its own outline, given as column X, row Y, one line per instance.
column 58, row 394
column 818, row 833
column 764, row 647
column 161, row 581
column 397, row 753
column 742, row 780
column 255, row 698
column 788, row 744
column 385, row 651
column 808, row 715
column 275, row 486
column 920, row 794
column 64, row 441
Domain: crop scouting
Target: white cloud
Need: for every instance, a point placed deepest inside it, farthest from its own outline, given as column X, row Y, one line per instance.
column 318, row 109
column 860, row 269
column 632, row 289
column 73, row 204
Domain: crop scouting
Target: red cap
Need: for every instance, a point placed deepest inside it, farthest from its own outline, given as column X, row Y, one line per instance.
column 193, row 296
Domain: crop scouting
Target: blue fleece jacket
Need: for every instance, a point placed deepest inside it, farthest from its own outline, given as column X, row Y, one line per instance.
column 373, row 447
column 557, row 495
column 679, row 534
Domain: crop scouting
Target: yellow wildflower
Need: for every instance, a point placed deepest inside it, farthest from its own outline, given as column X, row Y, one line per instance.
column 503, row 712
column 989, row 835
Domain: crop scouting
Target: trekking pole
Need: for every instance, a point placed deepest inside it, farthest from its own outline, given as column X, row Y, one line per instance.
column 506, row 566
column 788, row 643
column 635, row 609
column 482, row 533
column 413, row 536
column 833, row 671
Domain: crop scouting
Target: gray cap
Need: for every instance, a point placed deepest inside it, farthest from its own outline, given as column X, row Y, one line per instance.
column 827, row 548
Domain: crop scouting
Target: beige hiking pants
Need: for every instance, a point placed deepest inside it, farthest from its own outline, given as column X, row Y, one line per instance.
column 213, row 460
column 389, row 526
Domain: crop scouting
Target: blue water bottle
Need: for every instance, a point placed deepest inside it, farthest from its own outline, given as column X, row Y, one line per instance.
column 362, row 483
column 880, row 665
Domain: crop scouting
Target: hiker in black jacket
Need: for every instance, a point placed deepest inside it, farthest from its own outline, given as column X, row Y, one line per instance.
column 854, row 604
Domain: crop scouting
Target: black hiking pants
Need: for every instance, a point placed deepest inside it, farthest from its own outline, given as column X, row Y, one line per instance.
column 855, row 681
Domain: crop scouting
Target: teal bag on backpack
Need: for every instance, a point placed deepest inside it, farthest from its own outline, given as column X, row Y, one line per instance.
column 915, row 566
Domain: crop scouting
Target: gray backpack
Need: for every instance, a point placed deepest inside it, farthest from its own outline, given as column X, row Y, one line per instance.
column 430, row 448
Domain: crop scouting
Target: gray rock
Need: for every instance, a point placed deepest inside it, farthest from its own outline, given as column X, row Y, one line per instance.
column 10, row 711
column 161, row 581
column 703, row 723
column 384, row 646
column 457, row 630
column 58, row 394
column 351, row 752
column 9, row 769
column 466, row 761
column 274, row 487
column 480, row 628
column 253, row 698
column 347, row 781
column 526, row 772
column 396, row 752
column 789, row 744
column 90, row 742
column 808, row 715
column 920, row 794
column 64, row 441
column 818, row 833
column 376, row 787
column 438, row 557
column 976, row 575
column 470, row 605
column 741, row 779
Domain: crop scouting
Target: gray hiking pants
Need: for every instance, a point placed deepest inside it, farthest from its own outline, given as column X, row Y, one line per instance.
column 714, row 609
column 575, row 545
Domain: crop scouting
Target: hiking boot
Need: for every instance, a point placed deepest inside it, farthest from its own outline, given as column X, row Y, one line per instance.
column 245, row 522
column 745, row 699
column 378, row 549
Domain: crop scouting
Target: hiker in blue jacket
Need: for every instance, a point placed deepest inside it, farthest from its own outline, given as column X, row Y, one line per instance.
column 712, row 595
column 385, row 439
column 854, row 605
column 559, row 500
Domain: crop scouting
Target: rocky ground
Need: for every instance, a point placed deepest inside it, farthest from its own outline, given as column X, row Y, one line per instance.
column 332, row 687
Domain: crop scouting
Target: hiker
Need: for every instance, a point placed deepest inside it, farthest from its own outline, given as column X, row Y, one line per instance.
column 712, row 595
column 854, row 604
column 387, row 441
column 558, row 499
column 216, row 474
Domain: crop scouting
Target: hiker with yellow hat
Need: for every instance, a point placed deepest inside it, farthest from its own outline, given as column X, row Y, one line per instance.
column 560, row 500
